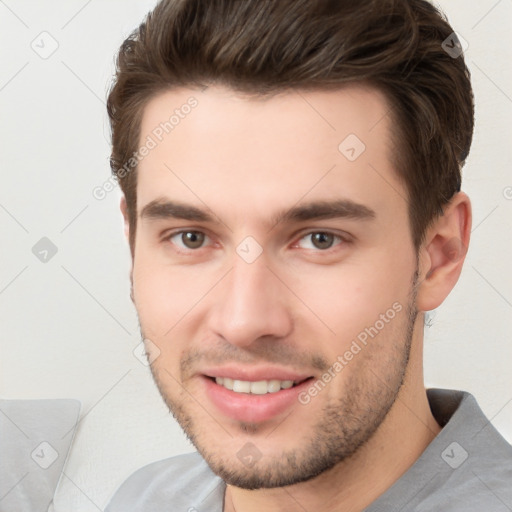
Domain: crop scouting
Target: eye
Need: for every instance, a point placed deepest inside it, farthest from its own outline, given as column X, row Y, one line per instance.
column 319, row 240
column 188, row 239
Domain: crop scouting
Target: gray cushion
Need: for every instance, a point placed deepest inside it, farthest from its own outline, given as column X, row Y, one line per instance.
column 35, row 437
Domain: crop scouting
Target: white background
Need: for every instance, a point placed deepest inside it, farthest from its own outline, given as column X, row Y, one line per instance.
column 68, row 327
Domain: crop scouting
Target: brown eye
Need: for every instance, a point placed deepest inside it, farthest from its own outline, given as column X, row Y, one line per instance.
column 320, row 240
column 188, row 239
column 192, row 239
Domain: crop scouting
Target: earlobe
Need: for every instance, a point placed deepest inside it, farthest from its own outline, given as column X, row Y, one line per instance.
column 443, row 252
column 124, row 210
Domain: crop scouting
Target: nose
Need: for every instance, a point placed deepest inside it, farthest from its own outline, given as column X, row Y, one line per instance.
column 251, row 303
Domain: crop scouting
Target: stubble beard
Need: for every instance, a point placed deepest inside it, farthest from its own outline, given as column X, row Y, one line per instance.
column 345, row 425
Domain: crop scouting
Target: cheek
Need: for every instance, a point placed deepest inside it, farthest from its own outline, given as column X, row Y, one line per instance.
column 161, row 306
column 345, row 300
column 166, row 296
column 159, row 295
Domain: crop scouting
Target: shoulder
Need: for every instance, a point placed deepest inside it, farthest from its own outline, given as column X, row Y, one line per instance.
column 467, row 467
column 186, row 481
column 480, row 483
column 474, row 462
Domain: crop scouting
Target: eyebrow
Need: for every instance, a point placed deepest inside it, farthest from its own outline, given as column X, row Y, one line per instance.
column 317, row 210
column 165, row 209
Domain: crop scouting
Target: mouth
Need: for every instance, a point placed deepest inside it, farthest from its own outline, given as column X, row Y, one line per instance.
column 259, row 387
column 254, row 399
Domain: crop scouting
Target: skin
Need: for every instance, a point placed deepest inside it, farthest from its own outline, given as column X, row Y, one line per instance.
column 243, row 160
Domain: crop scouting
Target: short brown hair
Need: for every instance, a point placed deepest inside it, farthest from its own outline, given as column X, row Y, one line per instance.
column 267, row 46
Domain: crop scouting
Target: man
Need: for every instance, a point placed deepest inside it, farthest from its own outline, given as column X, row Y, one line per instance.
column 291, row 179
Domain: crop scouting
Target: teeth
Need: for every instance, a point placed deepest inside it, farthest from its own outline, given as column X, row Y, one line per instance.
column 260, row 387
column 241, row 386
column 273, row 386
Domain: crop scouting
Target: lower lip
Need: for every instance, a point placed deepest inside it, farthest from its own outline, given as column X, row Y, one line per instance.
column 250, row 408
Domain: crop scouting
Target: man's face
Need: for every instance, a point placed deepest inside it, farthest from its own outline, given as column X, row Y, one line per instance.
column 273, row 247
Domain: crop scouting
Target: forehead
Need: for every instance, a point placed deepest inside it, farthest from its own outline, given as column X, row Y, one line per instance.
column 250, row 154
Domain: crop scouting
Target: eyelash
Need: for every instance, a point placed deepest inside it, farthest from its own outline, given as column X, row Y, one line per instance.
column 339, row 240
column 170, row 236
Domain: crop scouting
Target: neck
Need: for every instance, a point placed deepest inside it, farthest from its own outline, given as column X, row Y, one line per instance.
column 356, row 482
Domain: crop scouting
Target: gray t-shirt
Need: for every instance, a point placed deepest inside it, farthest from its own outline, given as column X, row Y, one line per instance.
column 467, row 467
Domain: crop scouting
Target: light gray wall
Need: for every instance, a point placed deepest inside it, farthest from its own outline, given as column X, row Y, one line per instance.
column 68, row 328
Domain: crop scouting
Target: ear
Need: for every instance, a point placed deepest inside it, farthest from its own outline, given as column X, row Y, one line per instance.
column 442, row 254
column 124, row 211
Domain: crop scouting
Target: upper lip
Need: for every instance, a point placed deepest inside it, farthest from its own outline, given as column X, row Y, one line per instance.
column 255, row 374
